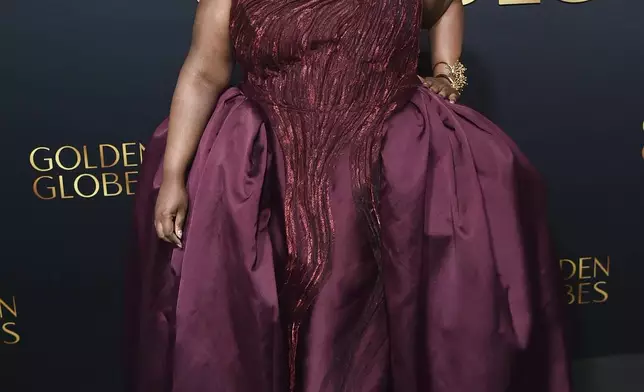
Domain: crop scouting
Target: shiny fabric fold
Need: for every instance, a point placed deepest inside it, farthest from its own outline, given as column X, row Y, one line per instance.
column 471, row 293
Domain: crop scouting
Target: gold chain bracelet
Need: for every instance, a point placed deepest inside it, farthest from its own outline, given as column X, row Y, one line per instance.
column 455, row 75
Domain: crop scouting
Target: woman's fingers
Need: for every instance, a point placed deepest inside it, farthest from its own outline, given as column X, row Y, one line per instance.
column 178, row 225
column 165, row 229
column 159, row 228
column 441, row 88
column 175, row 240
column 436, row 87
column 449, row 93
column 165, row 222
column 168, row 230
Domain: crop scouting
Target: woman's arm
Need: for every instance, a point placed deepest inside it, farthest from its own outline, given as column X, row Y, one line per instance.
column 444, row 20
column 446, row 38
column 205, row 73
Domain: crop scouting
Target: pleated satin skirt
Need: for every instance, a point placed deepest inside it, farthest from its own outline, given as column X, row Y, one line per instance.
column 470, row 299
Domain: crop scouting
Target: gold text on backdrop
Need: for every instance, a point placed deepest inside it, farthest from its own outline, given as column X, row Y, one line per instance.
column 68, row 172
column 586, row 279
column 8, row 317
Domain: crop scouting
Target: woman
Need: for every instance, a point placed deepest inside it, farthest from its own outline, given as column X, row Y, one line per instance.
column 333, row 224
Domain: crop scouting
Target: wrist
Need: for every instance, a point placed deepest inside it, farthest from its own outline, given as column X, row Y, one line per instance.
column 453, row 72
column 174, row 176
column 439, row 69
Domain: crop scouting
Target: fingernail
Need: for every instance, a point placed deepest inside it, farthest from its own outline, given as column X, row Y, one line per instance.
column 179, row 233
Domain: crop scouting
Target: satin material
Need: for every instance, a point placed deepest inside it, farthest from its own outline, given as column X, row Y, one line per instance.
column 472, row 293
column 327, row 73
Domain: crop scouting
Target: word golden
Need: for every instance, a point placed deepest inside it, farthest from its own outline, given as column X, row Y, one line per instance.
column 8, row 314
column 586, row 279
column 69, row 172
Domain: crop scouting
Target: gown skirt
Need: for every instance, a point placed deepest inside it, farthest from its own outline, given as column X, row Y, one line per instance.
column 472, row 294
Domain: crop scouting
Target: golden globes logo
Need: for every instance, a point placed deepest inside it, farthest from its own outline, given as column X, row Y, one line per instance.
column 8, row 317
column 524, row 2
column 586, row 279
column 70, row 172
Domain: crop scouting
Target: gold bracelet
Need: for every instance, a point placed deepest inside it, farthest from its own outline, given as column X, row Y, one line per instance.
column 455, row 75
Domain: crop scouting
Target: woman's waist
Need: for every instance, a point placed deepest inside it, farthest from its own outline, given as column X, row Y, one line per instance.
column 304, row 94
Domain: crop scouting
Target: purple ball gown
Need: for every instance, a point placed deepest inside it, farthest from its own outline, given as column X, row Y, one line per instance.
column 349, row 230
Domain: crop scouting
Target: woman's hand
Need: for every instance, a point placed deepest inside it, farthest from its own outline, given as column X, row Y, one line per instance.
column 442, row 87
column 204, row 75
column 170, row 212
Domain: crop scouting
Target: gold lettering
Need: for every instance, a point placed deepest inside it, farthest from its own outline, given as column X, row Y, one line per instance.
column 583, row 266
column 86, row 159
column 600, row 291
column 581, row 292
column 52, row 189
column 61, row 182
column 97, row 186
column 60, row 163
column 141, row 151
column 127, row 154
column 128, row 182
column 585, row 273
column 605, row 268
column 569, row 294
column 113, row 182
column 69, row 158
column 573, row 270
column 48, row 161
column 13, row 310
column 16, row 337
column 101, row 150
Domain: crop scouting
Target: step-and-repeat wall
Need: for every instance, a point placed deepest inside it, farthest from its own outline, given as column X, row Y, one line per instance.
column 84, row 83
